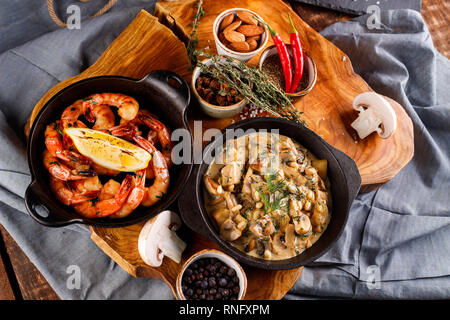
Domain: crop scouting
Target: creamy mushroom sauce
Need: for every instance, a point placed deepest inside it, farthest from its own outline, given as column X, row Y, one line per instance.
column 269, row 196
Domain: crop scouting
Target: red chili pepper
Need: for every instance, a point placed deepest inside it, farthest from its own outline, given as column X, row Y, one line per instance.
column 297, row 52
column 283, row 53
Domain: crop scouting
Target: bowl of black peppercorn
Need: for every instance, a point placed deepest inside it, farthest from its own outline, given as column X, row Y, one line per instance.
column 211, row 275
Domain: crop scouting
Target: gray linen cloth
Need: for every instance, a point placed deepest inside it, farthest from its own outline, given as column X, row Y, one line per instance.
column 397, row 235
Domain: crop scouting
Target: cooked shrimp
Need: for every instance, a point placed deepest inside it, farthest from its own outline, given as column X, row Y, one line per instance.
column 68, row 196
column 103, row 117
column 96, row 208
column 60, row 171
column 87, row 185
column 69, row 119
column 146, row 118
column 152, row 137
column 127, row 106
column 70, row 115
column 134, row 198
column 60, row 146
column 124, row 130
column 158, row 189
column 109, row 190
column 53, row 141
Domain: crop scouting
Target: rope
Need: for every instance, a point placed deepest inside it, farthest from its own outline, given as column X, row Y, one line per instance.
column 57, row 20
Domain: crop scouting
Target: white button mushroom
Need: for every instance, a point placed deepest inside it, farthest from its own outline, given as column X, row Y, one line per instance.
column 158, row 239
column 375, row 114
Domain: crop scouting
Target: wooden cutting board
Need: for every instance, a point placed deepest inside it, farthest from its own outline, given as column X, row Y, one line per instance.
column 146, row 45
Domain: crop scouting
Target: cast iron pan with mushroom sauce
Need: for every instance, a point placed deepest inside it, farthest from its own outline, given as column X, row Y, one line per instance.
column 343, row 175
column 162, row 92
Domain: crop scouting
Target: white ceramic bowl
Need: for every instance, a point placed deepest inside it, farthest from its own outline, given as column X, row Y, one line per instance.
column 224, row 258
column 214, row 110
column 309, row 65
column 224, row 51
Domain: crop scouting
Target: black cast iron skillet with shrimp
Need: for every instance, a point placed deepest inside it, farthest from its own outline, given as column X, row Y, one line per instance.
column 161, row 92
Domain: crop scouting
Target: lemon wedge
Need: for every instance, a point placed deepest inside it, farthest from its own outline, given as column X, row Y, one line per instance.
column 109, row 151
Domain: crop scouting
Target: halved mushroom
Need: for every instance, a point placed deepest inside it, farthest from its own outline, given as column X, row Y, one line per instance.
column 158, row 239
column 231, row 174
column 293, row 173
column 375, row 115
column 283, row 243
column 229, row 230
column 289, row 236
column 302, row 224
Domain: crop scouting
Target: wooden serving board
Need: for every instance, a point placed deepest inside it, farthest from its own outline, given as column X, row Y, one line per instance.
column 147, row 45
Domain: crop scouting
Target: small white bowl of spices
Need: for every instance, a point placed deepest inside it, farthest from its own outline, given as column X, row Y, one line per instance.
column 269, row 62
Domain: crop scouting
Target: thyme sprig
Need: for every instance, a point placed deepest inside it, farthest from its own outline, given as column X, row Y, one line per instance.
column 274, row 193
column 253, row 84
column 193, row 40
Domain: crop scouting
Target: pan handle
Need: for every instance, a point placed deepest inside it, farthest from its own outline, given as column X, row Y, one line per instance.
column 168, row 81
column 189, row 211
column 40, row 212
column 351, row 173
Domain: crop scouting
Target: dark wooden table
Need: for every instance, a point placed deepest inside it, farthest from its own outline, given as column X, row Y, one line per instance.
column 19, row 278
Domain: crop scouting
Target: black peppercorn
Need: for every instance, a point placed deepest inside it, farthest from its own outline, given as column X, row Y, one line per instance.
column 231, row 272
column 223, row 282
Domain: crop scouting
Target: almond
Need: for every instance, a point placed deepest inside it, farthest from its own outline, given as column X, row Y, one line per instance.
column 247, row 17
column 226, row 21
column 233, row 26
column 234, row 36
column 222, row 39
column 253, row 44
column 241, row 46
column 250, row 30
column 257, row 38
